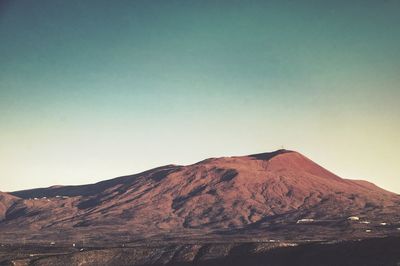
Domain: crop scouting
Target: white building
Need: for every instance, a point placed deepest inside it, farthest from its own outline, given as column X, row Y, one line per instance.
column 305, row 221
column 353, row 218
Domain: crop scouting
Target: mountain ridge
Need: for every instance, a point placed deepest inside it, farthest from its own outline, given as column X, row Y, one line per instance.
column 253, row 192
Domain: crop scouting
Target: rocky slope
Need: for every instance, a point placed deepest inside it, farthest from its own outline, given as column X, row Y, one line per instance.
column 6, row 201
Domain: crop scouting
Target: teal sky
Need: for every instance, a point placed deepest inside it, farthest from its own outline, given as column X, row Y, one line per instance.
column 90, row 90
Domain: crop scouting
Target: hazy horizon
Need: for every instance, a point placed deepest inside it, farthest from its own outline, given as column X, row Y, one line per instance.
column 96, row 89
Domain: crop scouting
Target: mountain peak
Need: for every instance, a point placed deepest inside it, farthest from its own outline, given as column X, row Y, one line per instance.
column 270, row 155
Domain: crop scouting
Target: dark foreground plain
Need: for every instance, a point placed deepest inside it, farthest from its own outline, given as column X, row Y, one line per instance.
column 377, row 251
column 277, row 208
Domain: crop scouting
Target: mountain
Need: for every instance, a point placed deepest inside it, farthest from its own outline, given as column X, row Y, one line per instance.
column 228, row 194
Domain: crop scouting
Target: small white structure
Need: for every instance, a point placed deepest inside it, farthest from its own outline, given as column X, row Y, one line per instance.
column 73, row 245
column 58, row 196
column 368, row 231
column 52, row 243
column 35, row 198
column 383, row 224
column 305, row 221
column 81, row 250
column 353, row 218
column 364, row 222
column 398, row 228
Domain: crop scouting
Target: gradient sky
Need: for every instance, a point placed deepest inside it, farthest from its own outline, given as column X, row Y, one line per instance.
column 91, row 90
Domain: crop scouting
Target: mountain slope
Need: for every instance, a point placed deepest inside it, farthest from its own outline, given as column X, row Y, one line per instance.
column 6, row 201
column 219, row 193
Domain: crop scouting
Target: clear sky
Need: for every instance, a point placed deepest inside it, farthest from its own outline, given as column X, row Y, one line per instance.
column 91, row 90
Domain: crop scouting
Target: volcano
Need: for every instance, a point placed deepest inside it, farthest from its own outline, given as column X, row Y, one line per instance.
column 258, row 194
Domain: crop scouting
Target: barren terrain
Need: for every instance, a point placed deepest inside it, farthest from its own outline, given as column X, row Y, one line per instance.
column 272, row 200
